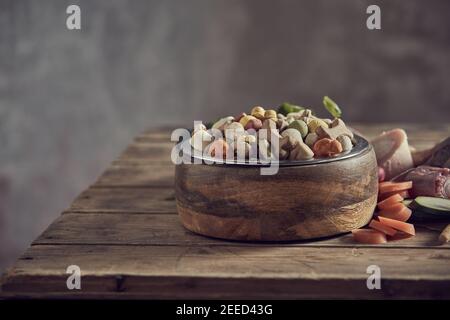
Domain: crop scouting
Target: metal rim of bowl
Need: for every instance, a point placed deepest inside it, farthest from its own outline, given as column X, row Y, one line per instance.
column 361, row 146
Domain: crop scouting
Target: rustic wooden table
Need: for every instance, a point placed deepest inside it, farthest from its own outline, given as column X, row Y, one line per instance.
column 124, row 234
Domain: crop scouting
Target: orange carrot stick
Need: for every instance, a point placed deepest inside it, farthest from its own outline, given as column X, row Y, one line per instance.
column 374, row 224
column 398, row 225
column 397, row 211
column 404, row 194
column 399, row 236
column 396, row 198
column 369, row 236
column 389, row 186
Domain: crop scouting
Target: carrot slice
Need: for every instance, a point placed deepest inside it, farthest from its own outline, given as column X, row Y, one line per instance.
column 404, row 194
column 396, row 198
column 374, row 224
column 398, row 225
column 369, row 236
column 399, row 236
column 389, row 186
column 397, row 211
column 393, row 208
column 404, row 185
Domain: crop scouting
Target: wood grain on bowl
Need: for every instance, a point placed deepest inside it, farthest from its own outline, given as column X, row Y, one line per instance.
column 299, row 202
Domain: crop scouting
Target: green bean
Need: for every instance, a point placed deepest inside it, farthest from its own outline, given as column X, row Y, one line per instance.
column 332, row 107
column 287, row 107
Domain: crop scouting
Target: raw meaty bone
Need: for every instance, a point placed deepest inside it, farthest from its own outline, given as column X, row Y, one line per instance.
column 428, row 181
column 438, row 156
column 444, row 237
column 392, row 151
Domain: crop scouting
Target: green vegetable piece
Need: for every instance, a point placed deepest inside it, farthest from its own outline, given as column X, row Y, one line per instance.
column 287, row 107
column 432, row 205
column 430, row 209
column 332, row 107
column 407, row 202
column 301, row 126
column 421, row 216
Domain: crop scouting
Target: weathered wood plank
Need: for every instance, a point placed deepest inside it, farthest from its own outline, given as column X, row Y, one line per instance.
column 430, row 133
column 164, row 229
column 147, row 153
column 155, row 136
column 160, row 134
column 230, row 272
column 411, row 128
column 120, row 200
column 135, row 175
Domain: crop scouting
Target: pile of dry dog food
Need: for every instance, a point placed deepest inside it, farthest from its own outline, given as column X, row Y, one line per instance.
column 289, row 133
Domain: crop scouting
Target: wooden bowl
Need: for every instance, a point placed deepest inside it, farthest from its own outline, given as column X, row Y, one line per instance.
column 304, row 200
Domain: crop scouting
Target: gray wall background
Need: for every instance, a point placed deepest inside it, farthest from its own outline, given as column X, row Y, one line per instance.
column 70, row 101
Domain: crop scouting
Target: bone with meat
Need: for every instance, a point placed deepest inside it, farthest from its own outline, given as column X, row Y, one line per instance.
column 438, row 156
column 427, row 181
column 392, row 152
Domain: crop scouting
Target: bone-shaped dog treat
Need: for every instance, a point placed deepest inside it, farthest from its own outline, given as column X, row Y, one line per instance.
column 301, row 152
column 290, row 138
column 337, row 128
